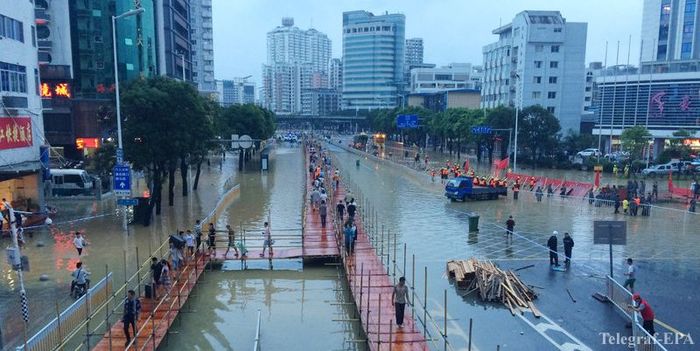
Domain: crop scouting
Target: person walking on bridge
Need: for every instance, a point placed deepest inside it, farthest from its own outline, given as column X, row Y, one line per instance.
column 132, row 308
column 231, row 241
column 399, row 298
column 323, row 212
column 510, row 224
column 340, row 210
column 267, row 243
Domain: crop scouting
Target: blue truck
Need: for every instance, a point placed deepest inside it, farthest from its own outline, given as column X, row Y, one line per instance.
column 463, row 188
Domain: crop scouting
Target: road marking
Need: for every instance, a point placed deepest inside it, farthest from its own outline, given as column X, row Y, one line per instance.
column 548, row 325
column 453, row 328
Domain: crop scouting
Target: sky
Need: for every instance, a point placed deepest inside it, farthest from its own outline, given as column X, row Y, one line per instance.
column 452, row 30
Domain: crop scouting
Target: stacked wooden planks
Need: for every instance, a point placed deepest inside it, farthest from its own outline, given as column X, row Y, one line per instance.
column 493, row 284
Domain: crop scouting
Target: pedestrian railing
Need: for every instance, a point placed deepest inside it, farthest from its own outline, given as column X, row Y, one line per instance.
column 256, row 344
column 621, row 298
column 55, row 332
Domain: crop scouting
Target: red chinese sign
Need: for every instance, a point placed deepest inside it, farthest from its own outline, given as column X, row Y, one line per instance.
column 89, row 143
column 51, row 90
column 15, row 132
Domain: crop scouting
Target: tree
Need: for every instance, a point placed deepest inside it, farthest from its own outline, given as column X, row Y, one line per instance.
column 537, row 132
column 574, row 142
column 166, row 120
column 635, row 139
column 248, row 119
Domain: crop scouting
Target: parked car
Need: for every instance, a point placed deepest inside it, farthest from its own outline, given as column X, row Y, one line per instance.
column 69, row 182
column 589, row 152
column 618, row 156
column 665, row 168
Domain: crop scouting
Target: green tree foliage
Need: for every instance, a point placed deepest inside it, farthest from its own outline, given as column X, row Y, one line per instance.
column 537, row 133
column 575, row 142
column 634, row 140
column 248, row 119
column 165, row 121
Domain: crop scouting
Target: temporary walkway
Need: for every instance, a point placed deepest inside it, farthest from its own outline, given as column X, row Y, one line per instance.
column 157, row 315
column 371, row 287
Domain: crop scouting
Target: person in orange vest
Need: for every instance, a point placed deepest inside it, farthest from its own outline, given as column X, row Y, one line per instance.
column 516, row 189
column 482, row 182
column 492, row 183
column 642, row 306
column 532, row 183
column 443, row 175
column 475, row 180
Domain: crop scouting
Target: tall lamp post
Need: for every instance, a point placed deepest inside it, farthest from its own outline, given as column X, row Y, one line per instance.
column 515, row 149
column 120, row 150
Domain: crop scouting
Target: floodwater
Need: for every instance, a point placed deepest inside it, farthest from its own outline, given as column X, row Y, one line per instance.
column 293, row 300
column 435, row 230
column 302, row 308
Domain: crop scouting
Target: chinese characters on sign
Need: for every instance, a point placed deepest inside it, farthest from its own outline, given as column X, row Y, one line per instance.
column 51, row 90
column 15, row 132
column 89, row 143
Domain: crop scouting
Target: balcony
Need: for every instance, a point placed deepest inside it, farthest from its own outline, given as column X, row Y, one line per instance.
column 206, row 14
column 45, row 44
column 41, row 16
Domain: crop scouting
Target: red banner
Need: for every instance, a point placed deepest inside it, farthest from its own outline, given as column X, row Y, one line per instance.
column 15, row 132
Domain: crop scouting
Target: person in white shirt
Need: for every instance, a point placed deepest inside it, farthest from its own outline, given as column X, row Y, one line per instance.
column 79, row 242
column 268, row 240
column 189, row 239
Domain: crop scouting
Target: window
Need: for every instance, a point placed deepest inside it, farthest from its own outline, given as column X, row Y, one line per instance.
column 552, row 80
column 550, row 109
column 536, row 94
column 34, row 36
column 537, row 79
column 555, row 48
column 538, row 64
column 13, row 78
column 553, row 64
column 552, row 95
column 443, row 77
column 11, row 28
column 587, row 98
column 588, row 88
column 539, row 48
column 557, row 30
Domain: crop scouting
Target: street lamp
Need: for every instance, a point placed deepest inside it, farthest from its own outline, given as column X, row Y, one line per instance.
column 120, row 150
column 515, row 150
column 133, row 12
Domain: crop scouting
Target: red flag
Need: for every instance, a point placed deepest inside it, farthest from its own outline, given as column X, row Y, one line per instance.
column 502, row 164
column 596, row 182
column 466, row 165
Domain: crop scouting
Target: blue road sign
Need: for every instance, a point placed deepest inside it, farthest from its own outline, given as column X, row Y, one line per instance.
column 120, row 156
column 406, row 121
column 127, row 202
column 122, row 180
column 482, row 130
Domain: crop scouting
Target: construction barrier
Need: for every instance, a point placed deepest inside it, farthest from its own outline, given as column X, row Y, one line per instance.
column 54, row 333
column 573, row 188
column 621, row 297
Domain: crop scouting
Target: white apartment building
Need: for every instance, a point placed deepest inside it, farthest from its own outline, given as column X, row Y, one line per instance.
column 296, row 60
column 21, row 122
column 414, row 52
column 539, row 59
column 451, row 77
column 202, row 41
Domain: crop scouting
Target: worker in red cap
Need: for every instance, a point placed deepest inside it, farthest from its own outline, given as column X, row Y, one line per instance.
column 642, row 306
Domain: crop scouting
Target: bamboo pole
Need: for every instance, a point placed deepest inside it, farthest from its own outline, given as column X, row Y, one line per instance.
column 379, row 323
column 470, row 334
column 444, row 329
column 425, row 302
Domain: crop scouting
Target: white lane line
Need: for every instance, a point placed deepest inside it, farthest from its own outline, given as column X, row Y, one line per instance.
column 543, row 327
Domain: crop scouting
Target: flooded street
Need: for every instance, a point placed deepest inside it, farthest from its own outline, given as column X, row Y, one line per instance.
column 664, row 246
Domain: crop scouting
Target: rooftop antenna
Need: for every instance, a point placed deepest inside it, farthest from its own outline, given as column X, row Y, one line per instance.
column 312, row 22
column 499, row 22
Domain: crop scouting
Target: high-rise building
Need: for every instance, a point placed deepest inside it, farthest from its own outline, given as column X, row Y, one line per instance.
column 414, row 52
column 373, row 60
column 202, row 43
column 296, row 60
column 173, row 31
column 235, row 91
column 670, row 30
column 21, row 124
column 336, row 75
column 538, row 60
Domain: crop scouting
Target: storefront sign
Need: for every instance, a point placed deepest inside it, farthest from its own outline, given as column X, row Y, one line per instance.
column 50, row 90
column 87, row 143
column 15, row 132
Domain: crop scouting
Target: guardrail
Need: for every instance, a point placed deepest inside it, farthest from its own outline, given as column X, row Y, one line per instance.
column 256, row 344
column 621, row 298
column 52, row 334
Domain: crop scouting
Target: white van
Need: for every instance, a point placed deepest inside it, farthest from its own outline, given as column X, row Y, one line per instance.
column 69, row 182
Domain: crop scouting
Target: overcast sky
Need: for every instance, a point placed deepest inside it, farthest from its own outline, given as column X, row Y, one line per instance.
column 452, row 30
